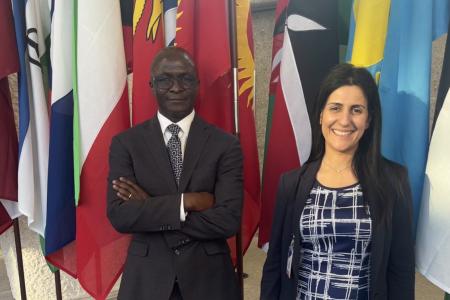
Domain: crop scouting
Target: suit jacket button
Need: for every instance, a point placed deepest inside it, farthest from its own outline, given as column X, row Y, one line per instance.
column 177, row 252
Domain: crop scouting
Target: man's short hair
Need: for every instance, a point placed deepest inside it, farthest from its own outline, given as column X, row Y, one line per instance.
column 171, row 52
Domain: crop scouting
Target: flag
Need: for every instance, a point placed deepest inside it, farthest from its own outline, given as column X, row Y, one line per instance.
column 60, row 222
column 433, row 230
column 303, row 52
column 344, row 15
column 126, row 12
column 148, row 39
column 9, row 63
column 100, row 112
column 247, row 130
column 368, row 30
column 405, row 85
column 32, row 26
column 202, row 30
column 170, row 11
column 8, row 159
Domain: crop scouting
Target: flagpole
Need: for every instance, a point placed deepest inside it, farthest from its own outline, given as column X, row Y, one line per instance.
column 58, row 291
column 23, row 292
column 234, row 65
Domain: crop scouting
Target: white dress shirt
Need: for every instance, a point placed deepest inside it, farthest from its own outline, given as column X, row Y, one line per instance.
column 185, row 125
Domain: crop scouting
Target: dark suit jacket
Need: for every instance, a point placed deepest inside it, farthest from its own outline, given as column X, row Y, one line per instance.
column 163, row 249
column 392, row 251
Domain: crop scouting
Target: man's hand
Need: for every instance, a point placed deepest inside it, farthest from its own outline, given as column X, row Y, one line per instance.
column 127, row 190
column 198, row 201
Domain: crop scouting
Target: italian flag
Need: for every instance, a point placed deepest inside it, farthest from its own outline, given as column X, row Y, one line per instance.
column 100, row 112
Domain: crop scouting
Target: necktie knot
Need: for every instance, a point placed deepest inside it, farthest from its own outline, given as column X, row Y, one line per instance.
column 174, row 129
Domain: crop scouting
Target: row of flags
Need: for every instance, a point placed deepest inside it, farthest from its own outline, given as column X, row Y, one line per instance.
column 393, row 40
column 72, row 60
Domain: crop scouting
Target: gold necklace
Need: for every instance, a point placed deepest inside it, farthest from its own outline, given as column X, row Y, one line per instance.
column 337, row 170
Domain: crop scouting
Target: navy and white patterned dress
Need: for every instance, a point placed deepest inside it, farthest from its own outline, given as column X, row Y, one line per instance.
column 335, row 227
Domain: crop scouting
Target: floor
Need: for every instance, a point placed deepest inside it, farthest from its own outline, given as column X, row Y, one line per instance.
column 253, row 262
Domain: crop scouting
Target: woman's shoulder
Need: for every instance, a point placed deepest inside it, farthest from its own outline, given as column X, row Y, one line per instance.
column 293, row 176
column 292, row 180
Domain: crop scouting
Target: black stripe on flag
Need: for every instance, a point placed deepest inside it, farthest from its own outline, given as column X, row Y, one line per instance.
column 315, row 51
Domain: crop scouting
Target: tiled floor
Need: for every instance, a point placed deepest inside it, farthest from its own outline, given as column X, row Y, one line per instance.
column 5, row 291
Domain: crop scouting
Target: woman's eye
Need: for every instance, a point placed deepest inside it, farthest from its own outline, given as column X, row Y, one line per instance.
column 357, row 110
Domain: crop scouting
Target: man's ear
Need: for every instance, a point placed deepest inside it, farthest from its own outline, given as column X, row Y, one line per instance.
column 152, row 87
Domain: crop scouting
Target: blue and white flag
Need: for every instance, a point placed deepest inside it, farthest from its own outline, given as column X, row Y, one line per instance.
column 32, row 24
column 60, row 224
column 405, row 85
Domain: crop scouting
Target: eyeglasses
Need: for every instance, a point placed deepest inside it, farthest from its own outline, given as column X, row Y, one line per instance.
column 164, row 82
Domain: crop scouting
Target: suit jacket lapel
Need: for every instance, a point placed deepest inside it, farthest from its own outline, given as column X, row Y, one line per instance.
column 157, row 147
column 198, row 135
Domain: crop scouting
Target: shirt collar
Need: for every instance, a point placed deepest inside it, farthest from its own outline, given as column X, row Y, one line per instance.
column 185, row 123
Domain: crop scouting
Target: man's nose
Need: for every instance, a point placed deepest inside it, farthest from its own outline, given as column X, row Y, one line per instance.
column 177, row 86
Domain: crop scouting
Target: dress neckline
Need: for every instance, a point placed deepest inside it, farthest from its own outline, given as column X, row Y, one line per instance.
column 317, row 183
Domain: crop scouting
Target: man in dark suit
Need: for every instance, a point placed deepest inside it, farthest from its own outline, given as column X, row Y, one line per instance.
column 176, row 185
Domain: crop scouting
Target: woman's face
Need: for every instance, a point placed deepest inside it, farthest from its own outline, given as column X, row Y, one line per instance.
column 344, row 119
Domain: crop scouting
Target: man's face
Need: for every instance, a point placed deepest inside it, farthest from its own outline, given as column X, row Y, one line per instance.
column 175, row 84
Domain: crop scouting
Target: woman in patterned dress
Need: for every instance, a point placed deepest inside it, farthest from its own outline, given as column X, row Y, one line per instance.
column 342, row 225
